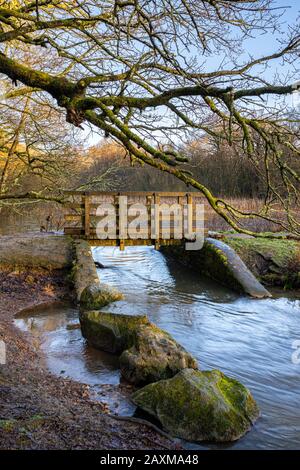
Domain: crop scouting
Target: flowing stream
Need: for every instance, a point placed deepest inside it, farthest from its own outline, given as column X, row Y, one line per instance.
column 251, row 340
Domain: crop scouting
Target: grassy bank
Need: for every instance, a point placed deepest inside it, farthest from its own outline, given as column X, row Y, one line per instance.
column 276, row 262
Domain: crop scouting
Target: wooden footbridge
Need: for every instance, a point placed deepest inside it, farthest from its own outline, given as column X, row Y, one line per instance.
column 168, row 217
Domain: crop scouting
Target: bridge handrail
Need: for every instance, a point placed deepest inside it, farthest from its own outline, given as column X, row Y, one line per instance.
column 134, row 193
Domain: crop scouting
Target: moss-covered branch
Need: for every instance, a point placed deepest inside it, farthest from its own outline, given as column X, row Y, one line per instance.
column 127, row 68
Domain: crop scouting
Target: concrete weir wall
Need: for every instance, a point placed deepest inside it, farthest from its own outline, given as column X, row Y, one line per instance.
column 36, row 250
column 221, row 263
column 91, row 293
column 84, row 269
column 54, row 251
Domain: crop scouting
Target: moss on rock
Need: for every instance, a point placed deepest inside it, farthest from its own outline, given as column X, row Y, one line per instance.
column 98, row 295
column 275, row 261
column 220, row 262
column 147, row 352
column 110, row 332
column 277, row 251
column 200, row 406
column 154, row 356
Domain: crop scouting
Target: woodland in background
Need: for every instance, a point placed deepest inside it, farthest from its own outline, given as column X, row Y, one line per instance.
column 103, row 167
column 173, row 83
column 41, row 152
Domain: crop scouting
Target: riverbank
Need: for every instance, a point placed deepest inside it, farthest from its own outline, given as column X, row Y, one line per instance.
column 245, row 263
column 39, row 410
column 274, row 261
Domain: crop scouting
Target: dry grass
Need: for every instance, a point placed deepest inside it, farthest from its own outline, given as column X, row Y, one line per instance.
column 34, row 218
column 215, row 222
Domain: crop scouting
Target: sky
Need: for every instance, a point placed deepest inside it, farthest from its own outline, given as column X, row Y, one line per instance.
column 267, row 43
column 290, row 17
column 260, row 45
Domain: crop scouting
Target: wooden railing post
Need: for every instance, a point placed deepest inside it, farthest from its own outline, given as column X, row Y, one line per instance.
column 148, row 203
column 120, row 241
column 156, row 220
column 190, row 208
column 87, row 218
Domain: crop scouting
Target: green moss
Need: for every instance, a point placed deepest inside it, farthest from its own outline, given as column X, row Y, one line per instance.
column 22, row 426
column 154, row 356
column 7, row 425
column 147, row 353
column 74, row 266
column 275, row 261
column 210, row 261
column 281, row 251
column 110, row 332
column 72, row 273
column 200, row 406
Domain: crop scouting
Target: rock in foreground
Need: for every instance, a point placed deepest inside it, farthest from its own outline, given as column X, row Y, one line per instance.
column 36, row 250
column 200, row 406
column 98, row 295
column 147, row 353
column 154, row 356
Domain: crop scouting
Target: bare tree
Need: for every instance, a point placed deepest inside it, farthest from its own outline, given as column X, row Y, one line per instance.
column 138, row 70
column 41, row 155
column 37, row 151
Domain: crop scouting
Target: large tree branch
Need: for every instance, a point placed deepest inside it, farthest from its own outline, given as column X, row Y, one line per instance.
column 60, row 87
column 144, row 76
column 37, row 25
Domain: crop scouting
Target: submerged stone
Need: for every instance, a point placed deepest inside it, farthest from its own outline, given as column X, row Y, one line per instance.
column 98, row 295
column 147, row 352
column 200, row 406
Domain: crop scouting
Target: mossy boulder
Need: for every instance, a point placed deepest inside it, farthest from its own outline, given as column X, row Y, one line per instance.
column 110, row 332
column 200, row 406
column 147, row 353
column 154, row 356
column 98, row 295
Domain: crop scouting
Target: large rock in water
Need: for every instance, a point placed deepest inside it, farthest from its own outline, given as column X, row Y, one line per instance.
column 155, row 355
column 200, row 406
column 110, row 332
column 98, row 295
column 147, row 353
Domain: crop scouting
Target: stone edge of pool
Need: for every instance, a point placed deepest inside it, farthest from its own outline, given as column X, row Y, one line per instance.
column 216, row 260
column 220, row 262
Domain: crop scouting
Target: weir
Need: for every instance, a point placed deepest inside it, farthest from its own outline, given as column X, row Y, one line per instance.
column 163, row 219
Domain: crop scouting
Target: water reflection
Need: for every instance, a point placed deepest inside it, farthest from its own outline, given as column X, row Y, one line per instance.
column 67, row 353
column 250, row 340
